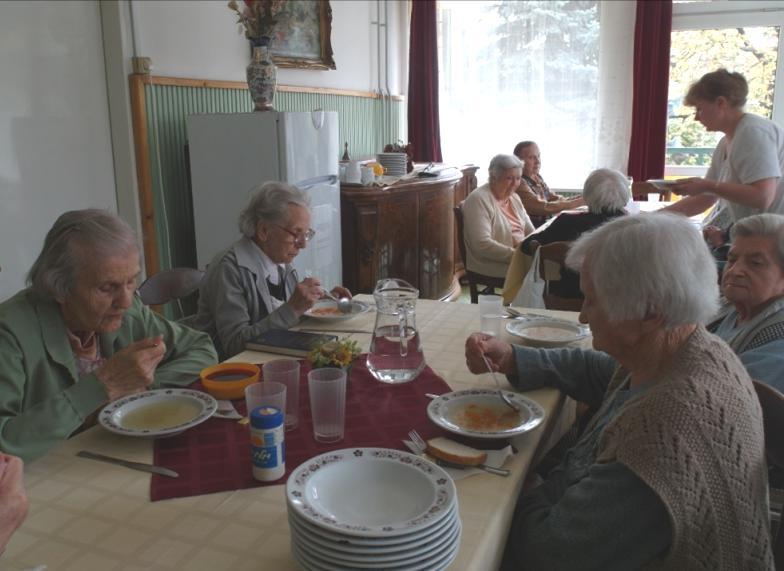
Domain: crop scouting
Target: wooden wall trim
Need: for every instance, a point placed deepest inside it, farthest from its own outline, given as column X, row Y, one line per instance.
column 144, row 173
column 220, row 84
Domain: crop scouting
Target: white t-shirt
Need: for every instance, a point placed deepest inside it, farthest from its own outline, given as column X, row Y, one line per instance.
column 756, row 153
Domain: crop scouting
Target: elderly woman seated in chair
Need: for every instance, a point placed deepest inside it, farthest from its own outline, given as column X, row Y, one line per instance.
column 79, row 337
column 752, row 322
column 670, row 472
column 495, row 221
column 606, row 192
column 251, row 286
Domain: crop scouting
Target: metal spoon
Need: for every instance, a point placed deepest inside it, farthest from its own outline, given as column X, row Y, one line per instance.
column 509, row 402
column 344, row 303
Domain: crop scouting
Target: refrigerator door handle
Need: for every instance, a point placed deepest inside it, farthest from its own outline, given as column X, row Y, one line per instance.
column 327, row 180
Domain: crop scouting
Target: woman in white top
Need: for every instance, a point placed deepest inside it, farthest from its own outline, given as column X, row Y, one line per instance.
column 747, row 164
column 495, row 221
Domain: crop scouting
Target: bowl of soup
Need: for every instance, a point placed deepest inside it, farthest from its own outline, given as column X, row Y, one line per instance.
column 227, row 381
column 160, row 412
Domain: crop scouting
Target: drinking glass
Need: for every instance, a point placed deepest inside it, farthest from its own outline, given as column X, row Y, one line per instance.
column 327, row 389
column 286, row 372
column 653, row 197
column 491, row 310
column 266, row 393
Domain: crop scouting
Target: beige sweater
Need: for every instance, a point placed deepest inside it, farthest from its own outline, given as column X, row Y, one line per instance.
column 696, row 439
column 488, row 234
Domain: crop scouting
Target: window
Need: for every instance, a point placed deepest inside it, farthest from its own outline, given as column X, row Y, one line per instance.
column 741, row 36
column 513, row 71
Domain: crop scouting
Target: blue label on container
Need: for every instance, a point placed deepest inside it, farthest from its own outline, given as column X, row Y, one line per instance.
column 266, row 456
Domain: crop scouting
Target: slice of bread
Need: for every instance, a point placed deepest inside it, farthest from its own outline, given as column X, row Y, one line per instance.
column 454, row 452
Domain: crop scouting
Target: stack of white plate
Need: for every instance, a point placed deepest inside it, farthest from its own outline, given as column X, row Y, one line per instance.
column 395, row 163
column 372, row 508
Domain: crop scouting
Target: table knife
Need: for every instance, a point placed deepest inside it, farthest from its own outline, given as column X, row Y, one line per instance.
column 128, row 464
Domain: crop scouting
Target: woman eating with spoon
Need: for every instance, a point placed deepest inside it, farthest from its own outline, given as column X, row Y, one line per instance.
column 670, row 472
column 251, row 287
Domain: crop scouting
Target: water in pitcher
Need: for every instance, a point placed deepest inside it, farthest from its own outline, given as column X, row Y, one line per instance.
column 385, row 361
column 395, row 354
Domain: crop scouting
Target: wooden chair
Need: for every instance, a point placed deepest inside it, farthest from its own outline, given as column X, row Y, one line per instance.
column 168, row 285
column 474, row 279
column 555, row 253
column 772, row 403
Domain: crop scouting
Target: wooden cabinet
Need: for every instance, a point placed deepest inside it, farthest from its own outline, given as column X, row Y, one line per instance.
column 401, row 231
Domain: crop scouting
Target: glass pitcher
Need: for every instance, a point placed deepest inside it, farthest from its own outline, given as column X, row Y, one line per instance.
column 395, row 354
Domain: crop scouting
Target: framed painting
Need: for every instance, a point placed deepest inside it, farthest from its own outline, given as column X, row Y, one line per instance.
column 303, row 39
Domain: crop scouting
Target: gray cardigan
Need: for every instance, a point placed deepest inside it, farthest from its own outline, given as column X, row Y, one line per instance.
column 235, row 302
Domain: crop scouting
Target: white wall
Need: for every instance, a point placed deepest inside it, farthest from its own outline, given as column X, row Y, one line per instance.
column 200, row 40
column 55, row 145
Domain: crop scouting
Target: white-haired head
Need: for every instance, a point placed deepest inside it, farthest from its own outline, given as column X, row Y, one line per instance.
column 499, row 164
column 766, row 226
column 606, row 190
column 270, row 203
column 75, row 237
column 649, row 264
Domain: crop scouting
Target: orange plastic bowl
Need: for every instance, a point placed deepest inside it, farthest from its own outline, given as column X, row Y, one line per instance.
column 227, row 381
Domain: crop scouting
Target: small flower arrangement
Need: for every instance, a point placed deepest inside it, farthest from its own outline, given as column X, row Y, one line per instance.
column 338, row 354
column 258, row 17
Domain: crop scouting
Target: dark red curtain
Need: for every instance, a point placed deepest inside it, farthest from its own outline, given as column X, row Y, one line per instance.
column 424, row 132
column 651, row 78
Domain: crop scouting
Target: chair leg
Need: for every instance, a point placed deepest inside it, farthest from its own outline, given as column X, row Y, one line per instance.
column 474, row 293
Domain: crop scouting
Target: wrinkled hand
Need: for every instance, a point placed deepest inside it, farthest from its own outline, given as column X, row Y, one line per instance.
column 307, row 292
column 714, row 236
column 13, row 499
column 691, row 186
column 131, row 369
column 340, row 291
column 499, row 354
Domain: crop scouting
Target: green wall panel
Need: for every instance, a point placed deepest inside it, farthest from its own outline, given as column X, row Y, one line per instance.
column 365, row 123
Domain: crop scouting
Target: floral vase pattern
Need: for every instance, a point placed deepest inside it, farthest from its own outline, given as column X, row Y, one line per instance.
column 262, row 76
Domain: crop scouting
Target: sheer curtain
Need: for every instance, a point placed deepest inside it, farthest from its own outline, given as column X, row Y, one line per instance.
column 513, row 71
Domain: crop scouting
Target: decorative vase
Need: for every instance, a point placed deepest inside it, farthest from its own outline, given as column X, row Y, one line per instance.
column 262, row 76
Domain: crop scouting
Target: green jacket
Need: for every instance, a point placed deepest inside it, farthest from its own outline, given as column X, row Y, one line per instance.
column 42, row 401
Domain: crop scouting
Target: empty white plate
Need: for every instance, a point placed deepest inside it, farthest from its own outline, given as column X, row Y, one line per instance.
column 370, row 492
column 547, row 332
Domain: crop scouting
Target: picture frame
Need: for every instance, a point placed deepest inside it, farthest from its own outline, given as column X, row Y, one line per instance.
column 304, row 36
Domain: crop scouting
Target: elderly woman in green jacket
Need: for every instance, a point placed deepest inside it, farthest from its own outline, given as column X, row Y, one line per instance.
column 79, row 337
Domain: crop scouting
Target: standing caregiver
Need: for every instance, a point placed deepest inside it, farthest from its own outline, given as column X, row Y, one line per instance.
column 747, row 164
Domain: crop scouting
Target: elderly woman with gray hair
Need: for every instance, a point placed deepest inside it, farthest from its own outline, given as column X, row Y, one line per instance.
column 495, row 221
column 251, row 287
column 606, row 192
column 752, row 282
column 79, row 337
column 670, row 472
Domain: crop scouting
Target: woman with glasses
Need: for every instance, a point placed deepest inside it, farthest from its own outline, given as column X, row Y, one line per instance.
column 251, row 287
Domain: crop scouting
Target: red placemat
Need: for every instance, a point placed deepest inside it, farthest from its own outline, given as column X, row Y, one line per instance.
column 215, row 455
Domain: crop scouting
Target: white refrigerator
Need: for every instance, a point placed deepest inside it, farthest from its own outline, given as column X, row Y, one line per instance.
column 231, row 154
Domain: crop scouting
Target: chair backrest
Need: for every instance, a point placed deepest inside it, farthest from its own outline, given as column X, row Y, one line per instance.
column 167, row 285
column 772, row 404
column 460, row 240
column 555, row 253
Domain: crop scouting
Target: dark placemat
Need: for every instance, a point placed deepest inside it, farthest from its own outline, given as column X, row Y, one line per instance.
column 215, row 455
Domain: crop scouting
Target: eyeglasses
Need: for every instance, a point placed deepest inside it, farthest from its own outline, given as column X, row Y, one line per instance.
column 299, row 236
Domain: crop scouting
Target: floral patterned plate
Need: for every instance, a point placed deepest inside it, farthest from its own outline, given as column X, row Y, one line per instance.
column 370, row 492
column 480, row 413
column 160, row 412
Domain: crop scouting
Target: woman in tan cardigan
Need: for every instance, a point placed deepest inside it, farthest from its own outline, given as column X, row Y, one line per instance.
column 670, row 472
column 495, row 221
